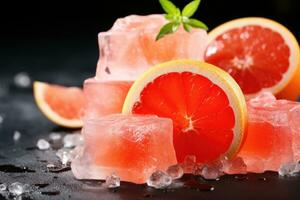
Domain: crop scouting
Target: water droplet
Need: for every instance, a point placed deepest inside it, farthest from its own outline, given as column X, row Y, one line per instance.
column 17, row 136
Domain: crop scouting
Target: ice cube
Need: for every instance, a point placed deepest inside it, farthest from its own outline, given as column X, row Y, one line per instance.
column 22, row 80
column 189, row 164
column 104, row 97
column 65, row 155
column 43, row 144
column 73, row 140
column 17, row 135
column 159, row 180
column 175, row 171
column 212, row 171
column 3, row 187
column 112, row 181
column 55, row 136
column 129, row 47
column 17, row 188
column 289, row 169
column 271, row 121
column 234, row 166
column 133, row 146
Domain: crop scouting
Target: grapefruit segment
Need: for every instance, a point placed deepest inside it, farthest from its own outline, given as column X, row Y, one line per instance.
column 61, row 105
column 260, row 54
column 206, row 105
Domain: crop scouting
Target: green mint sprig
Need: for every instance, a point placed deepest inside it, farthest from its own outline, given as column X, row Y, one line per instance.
column 177, row 18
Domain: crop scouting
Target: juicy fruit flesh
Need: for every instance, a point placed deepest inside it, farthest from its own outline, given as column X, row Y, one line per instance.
column 202, row 117
column 131, row 146
column 62, row 101
column 256, row 57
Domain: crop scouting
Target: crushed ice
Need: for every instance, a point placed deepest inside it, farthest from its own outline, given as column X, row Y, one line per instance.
column 17, row 135
column 22, row 80
column 175, row 171
column 289, row 169
column 112, row 181
column 159, row 180
column 72, row 140
column 189, row 164
column 3, row 187
column 65, row 155
column 43, row 144
column 55, row 136
column 17, row 188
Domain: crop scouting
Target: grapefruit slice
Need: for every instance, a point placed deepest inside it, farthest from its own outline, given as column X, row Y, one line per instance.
column 206, row 105
column 260, row 54
column 61, row 105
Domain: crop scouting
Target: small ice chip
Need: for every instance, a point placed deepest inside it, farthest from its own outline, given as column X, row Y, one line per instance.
column 50, row 165
column 55, row 136
column 73, row 140
column 175, row 171
column 65, row 155
column 17, row 188
column 22, row 80
column 17, row 135
column 159, row 180
column 289, row 169
column 3, row 187
column 112, row 181
column 43, row 144
column 189, row 164
column 212, row 171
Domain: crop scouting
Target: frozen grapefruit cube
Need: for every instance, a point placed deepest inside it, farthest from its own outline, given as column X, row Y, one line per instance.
column 129, row 47
column 272, row 139
column 104, row 97
column 131, row 146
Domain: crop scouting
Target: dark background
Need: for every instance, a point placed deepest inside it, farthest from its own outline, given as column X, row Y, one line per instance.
column 62, row 35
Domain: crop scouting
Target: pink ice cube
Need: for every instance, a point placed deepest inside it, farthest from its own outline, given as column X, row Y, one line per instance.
column 104, row 97
column 129, row 47
column 273, row 133
column 131, row 146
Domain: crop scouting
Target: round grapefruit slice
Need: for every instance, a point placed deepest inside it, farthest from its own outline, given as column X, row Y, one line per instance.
column 61, row 105
column 260, row 54
column 206, row 105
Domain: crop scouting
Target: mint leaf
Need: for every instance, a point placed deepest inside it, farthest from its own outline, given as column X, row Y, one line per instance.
column 169, row 17
column 167, row 29
column 197, row 24
column 187, row 27
column 168, row 6
column 190, row 9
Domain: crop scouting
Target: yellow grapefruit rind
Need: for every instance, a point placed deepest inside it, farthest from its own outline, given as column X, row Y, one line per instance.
column 291, row 77
column 214, row 74
column 38, row 89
